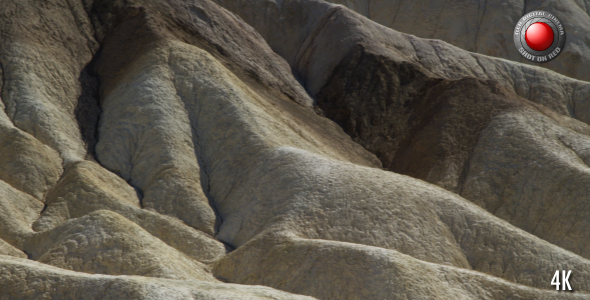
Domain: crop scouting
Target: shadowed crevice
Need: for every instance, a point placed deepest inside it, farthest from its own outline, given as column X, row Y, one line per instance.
column 2, row 85
column 88, row 109
column 204, row 173
column 416, row 123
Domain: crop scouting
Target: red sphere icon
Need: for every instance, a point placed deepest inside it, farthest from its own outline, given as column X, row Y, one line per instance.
column 539, row 36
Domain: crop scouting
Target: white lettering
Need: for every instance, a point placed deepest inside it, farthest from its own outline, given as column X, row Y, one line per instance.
column 526, row 54
column 555, row 281
column 554, row 53
column 565, row 280
column 532, row 15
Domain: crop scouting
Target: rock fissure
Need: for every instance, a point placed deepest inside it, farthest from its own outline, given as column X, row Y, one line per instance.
column 208, row 178
column 2, row 87
column 199, row 153
column 2, row 95
column 573, row 103
column 88, row 110
column 208, row 189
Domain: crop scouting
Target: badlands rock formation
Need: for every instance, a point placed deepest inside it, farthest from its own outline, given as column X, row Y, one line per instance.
column 485, row 26
column 258, row 149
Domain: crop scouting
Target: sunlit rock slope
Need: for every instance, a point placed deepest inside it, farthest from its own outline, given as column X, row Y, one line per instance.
column 257, row 149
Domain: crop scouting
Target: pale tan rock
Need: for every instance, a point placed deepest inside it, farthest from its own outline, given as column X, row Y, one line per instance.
column 415, row 104
column 440, row 131
column 27, row 164
column 17, row 212
column 84, row 188
column 168, row 174
column 87, row 187
column 243, row 145
column 104, row 242
column 167, row 112
column 348, row 203
column 543, row 175
column 201, row 23
column 7, row 249
column 25, row 279
column 44, row 51
column 215, row 140
column 336, row 270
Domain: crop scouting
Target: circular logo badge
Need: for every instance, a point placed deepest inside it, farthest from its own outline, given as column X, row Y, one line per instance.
column 539, row 36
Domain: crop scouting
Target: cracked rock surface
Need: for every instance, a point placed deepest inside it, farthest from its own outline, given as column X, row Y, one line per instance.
column 258, row 149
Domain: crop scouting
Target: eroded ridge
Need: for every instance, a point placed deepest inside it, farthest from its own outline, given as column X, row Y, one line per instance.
column 278, row 150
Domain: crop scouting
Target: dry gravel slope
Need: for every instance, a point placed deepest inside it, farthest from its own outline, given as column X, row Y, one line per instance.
column 293, row 150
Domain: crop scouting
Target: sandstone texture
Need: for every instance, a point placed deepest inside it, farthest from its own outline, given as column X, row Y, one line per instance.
column 26, row 279
column 295, row 149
